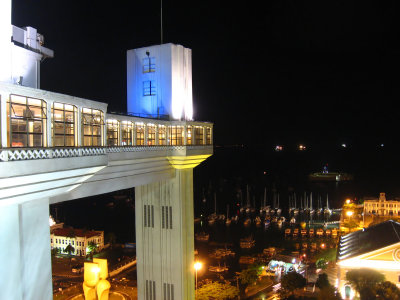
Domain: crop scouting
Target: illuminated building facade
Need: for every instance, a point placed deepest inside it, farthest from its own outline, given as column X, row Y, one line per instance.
column 376, row 247
column 159, row 81
column 79, row 239
column 55, row 147
column 381, row 206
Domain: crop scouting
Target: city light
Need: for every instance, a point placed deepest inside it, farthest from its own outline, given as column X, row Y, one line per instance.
column 348, row 201
column 197, row 265
column 349, row 213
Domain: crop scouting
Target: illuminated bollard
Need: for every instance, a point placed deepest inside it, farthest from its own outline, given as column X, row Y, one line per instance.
column 95, row 285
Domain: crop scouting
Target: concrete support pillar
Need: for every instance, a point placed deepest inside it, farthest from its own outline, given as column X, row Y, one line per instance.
column 165, row 238
column 25, row 271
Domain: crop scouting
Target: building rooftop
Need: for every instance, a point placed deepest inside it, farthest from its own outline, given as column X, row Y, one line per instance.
column 369, row 239
column 77, row 232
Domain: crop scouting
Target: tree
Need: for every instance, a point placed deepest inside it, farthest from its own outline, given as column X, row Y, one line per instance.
column 328, row 293
column 292, row 281
column 54, row 252
column 250, row 275
column 217, row 291
column 69, row 249
column 387, row 290
column 92, row 247
column 322, row 281
column 321, row 263
column 364, row 281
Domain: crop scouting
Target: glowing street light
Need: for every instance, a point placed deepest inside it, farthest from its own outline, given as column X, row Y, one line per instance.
column 349, row 213
column 197, row 266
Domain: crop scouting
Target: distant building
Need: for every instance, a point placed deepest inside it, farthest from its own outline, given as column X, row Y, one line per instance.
column 376, row 247
column 381, row 206
column 79, row 239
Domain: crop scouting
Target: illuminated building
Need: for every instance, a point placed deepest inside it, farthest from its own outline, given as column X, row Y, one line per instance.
column 376, row 247
column 79, row 239
column 55, row 147
column 159, row 81
column 381, row 206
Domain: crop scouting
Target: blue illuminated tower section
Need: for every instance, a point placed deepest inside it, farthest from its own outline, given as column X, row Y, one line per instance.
column 159, row 82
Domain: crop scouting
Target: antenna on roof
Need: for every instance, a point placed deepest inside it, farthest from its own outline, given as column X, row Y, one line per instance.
column 161, row 24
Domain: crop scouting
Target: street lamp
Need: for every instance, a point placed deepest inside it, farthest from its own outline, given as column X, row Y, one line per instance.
column 197, row 266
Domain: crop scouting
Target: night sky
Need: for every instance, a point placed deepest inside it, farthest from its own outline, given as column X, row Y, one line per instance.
column 313, row 72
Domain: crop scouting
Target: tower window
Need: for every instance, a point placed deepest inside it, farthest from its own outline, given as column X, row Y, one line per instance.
column 149, row 64
column 149, row 88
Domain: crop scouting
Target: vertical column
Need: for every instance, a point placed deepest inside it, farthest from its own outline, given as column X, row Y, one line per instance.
column 25, row 271
column 165, row 252
column 5, row 40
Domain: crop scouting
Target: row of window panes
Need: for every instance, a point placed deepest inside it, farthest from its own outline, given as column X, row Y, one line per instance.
column 27, row 127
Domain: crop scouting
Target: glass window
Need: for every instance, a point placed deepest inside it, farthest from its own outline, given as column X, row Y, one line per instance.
column 64, row 124
column 162, row 135
column 208, row 136
column 149, row 64
column 151, row 134
column 26, row 124
column 149, row 88
column 175, row 135
column 93, row 124
column 112, row 133
column 189, row 135
column 126, row 133
column 139, row 134
column 199, row 135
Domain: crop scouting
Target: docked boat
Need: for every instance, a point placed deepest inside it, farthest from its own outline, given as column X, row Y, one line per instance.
column 247, row 260
column 218, row 269
column 202, row 237
column 287, row 231
column 247, row 222
column 311, row 232
column 325, row 175
column 320, row 232
column 257, row 220
column 296, row 232
column 334, row 232
column 247, row 243
column 293, row 221
column 328, row 232
column 303, row 232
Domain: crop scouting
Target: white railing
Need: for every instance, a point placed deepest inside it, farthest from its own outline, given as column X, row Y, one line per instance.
column 14, row 154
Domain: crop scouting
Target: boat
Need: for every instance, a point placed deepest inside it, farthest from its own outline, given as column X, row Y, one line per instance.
column 202, row 237
column 303, row 232
column 218, row 269
column 287, row 231
column 334, row 232
column 257, row 220
column 228, row 221
column 247, row 222
column 248, row 260
column 267, row 222
column 213, row 217
column 326, row 175
column 311, row 232
column 327, row 210
column 328, row 232
column 293, row 221
column 320, row 232
column 235, row 219
column 296, row 232
column 247, row 243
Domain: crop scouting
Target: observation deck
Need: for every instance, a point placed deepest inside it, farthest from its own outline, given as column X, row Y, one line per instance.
column 63, row 147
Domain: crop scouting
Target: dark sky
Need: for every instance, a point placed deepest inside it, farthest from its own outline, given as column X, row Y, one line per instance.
column 316, row 72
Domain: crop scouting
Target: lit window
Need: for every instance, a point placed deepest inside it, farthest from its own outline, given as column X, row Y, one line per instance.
column 63, row 125
column 126, row 133
column 208, row 136
column 26, row 122
column 149, row 64
column 162, row 133
column 189, row 135
column 151, row 134
column 175, row 135
column 93, row 123
column 149, row 88
column 199, row 132
column 139, row 134
column 112, row 132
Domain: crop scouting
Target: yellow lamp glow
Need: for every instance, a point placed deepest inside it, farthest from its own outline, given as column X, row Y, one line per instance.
column 349, row 213
column 197, row 265
column 348, row 201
